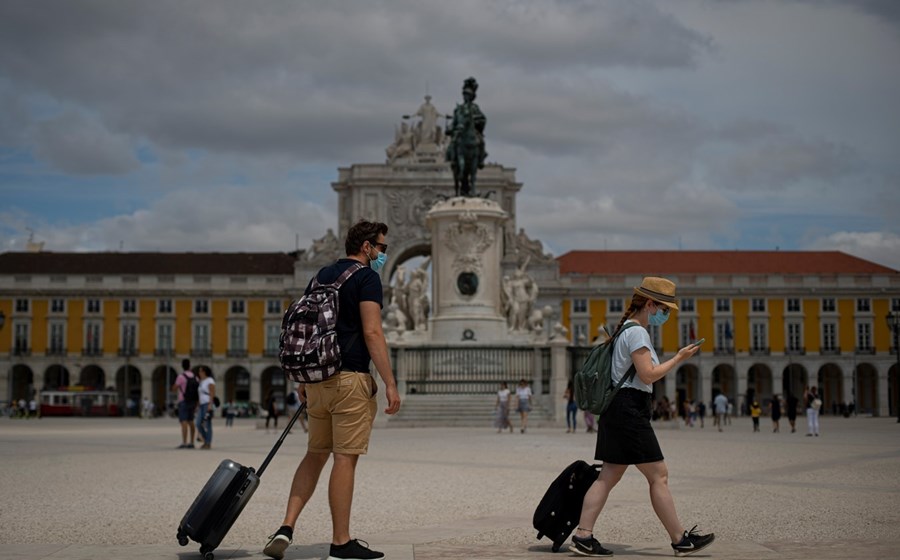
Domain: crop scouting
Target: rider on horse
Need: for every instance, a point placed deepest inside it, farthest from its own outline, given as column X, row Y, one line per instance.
column 466, row 152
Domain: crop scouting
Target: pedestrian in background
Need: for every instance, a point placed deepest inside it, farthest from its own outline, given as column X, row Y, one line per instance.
column 775, row 411
column 813, row 404
column 523, row 403
column 207, row 400
column 791, row 410
column 755, row 413
column 720, row 403
column 501, row 408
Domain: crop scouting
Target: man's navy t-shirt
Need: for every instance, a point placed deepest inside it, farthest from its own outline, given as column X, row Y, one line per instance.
column 364, row 285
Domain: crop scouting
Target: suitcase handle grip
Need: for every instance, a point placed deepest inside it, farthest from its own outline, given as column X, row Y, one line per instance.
column 278, row 443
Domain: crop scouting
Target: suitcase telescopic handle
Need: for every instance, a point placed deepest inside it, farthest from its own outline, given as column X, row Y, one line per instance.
column 278, row 443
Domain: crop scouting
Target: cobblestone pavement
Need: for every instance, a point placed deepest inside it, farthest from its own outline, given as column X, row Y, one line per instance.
column 116, row 488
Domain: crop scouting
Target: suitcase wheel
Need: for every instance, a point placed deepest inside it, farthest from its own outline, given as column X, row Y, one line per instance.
column 182, row 538
column 207, row 553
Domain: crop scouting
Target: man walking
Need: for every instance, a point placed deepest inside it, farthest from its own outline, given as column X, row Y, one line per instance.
column 721, row 405
column 187, row 386
column 342, row 407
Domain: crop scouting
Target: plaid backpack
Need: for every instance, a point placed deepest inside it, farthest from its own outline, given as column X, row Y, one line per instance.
column 309, row 350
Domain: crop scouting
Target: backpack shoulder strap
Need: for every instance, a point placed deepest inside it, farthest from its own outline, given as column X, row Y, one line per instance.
column 347, row 274
column 632, row 371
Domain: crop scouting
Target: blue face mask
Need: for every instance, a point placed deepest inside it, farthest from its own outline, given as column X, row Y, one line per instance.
column 658, row 318
column 378, row 263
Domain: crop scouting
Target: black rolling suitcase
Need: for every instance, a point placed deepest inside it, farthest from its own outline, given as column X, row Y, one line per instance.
column 223, row 498
column 558, row 513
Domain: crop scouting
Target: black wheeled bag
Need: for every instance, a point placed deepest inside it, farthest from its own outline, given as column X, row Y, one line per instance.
column 560, row 509
column 223, row 498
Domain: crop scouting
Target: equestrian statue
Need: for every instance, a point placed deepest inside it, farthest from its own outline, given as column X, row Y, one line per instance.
column 465, row 150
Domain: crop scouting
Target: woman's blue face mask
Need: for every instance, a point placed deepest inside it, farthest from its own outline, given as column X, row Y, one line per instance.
column 661, row 316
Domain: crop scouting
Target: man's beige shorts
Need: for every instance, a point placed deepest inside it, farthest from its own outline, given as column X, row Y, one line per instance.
column 341, row 411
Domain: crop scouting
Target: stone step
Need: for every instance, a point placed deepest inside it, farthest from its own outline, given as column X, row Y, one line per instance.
column 458, row 411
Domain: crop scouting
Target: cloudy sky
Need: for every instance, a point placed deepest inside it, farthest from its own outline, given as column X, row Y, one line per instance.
column 633, row 124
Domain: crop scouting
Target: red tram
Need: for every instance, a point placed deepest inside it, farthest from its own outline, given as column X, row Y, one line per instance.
column 76, row 400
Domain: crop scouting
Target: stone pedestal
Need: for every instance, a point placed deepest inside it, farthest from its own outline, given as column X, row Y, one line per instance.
column 467, row 247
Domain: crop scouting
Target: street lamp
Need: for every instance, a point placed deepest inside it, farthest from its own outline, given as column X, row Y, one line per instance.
column 893, row 321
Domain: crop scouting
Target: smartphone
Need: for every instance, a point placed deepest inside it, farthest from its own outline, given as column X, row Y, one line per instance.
column 699, row 342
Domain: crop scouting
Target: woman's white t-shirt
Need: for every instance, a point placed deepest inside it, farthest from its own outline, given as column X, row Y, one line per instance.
column 503, row 395
column 204, row 389
column 630, row 340
column 523, row 393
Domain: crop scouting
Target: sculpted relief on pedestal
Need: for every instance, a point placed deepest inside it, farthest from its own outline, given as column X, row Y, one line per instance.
column 468, row 240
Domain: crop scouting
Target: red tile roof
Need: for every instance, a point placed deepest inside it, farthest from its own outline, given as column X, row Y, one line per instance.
column 716, row 262
column 147, row 263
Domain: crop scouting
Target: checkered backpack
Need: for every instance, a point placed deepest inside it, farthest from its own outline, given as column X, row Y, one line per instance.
column 309, row 350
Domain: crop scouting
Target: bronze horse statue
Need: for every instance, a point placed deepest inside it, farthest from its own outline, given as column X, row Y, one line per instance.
column 465, row 151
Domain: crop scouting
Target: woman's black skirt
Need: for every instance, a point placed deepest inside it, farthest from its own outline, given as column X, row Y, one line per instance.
column 624, row 434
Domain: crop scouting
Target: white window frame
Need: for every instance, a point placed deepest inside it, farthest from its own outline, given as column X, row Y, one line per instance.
column 125, row 337
column 200, row 336
column 829, row 336
column 687, row 305
column 794, row 331
column 758, row 309
column 759, row 335
column 864, row 305
column 165, row 306
column 55, row 328
column 165, row 336
column 864, row 335
column 93, row 306
column 129, row 306
column 579, row 306
column 616, row 305
column 238, row 306
column 274, row 307
column 91, row 326
column 828, row 305
column 789, row 301
column 723, row 305
column 237, row 337
column 58, row 306
column 201, row 307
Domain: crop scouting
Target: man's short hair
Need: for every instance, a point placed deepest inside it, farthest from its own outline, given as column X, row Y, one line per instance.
column 360, row 233
column 185, row 364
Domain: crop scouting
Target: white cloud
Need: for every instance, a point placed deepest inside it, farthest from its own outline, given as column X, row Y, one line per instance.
column 877, row 246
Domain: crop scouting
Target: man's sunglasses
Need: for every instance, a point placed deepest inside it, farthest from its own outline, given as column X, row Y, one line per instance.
column 380, row 246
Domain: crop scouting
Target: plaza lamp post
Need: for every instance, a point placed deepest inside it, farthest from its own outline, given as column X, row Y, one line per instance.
column 893, row 321
column 8, row 373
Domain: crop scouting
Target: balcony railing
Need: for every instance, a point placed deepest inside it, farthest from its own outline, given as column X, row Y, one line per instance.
column 801, row 351
column 53, row 351
column 128, row 352
column 92, row 352
column 21, row 351
column 865, row 350
column 201, row 352
column 760, row 351
column 163, row 352
column 270, row 352
column 830, row 351
column 723, row 351
column 236, row 353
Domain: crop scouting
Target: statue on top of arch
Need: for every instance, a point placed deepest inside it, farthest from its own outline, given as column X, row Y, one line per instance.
column 425, row 136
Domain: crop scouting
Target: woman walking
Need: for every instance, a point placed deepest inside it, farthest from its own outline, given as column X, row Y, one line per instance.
column 502, row 408
column 625, row 436
column 523, row 403
column 775, row 409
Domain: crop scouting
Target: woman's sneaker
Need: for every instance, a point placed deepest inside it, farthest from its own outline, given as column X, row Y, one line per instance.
column 692, row 542
column 589, row 547
column 354, row 550
column 279, row 542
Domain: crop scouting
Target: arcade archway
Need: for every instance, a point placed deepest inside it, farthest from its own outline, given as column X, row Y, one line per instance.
column 92, row 376
column 56, row 376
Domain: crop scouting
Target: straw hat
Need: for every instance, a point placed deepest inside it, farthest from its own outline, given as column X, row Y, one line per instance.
column 659, row 290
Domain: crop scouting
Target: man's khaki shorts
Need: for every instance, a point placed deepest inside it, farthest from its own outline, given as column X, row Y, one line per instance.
column 341, row 411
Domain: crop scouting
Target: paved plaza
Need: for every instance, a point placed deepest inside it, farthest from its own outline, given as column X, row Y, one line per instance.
column 95, row 488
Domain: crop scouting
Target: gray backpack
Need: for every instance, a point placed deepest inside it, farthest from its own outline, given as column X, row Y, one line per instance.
column 594, row 390
column 309, row 350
